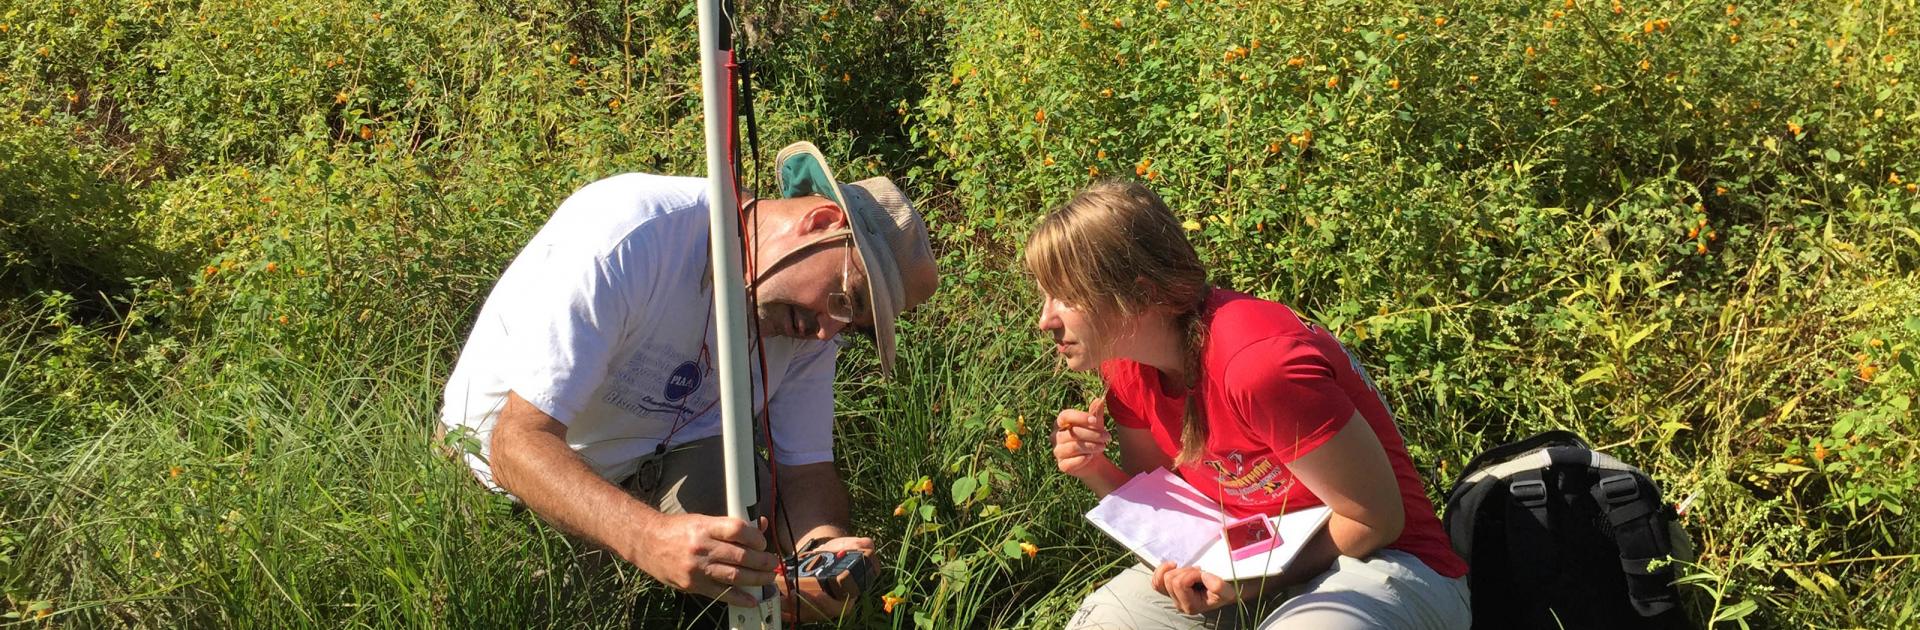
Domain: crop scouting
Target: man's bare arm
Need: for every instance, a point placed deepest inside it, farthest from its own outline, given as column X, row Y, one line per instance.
column 707, row 555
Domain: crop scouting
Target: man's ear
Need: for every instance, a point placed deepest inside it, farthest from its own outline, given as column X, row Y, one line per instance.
column 820, row 216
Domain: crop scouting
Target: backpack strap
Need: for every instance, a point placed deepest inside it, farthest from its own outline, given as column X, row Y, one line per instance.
column 1529, row 523
column 1642, row 540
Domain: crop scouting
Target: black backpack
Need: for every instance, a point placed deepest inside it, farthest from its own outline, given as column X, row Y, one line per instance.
column 1559, row 536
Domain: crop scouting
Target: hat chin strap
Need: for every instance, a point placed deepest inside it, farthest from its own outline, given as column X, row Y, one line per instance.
column 822, row 237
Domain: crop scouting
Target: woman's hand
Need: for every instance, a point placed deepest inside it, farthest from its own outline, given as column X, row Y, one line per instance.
column 1192, row 590
column 1080, row 441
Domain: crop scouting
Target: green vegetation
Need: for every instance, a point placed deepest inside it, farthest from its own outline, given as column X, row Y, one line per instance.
column 240, row 242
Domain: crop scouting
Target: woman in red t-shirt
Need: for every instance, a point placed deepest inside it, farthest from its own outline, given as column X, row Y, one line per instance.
column 1252, row 405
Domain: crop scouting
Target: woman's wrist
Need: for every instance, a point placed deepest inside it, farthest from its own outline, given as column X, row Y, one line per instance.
column 1102, row 477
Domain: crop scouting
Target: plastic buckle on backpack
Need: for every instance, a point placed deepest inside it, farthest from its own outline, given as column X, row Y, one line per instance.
column 1531, row 493
column 1620, row 489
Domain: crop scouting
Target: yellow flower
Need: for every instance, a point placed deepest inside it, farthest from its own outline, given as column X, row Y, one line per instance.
column 1030, row 549
column 1190, row 225
column 1393, row 84
column 1106, row 92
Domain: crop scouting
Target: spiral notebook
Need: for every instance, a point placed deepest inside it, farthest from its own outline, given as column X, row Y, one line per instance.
column 1161, row 518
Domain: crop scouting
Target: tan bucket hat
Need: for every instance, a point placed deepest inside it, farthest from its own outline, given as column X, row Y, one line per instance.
column 889, row 235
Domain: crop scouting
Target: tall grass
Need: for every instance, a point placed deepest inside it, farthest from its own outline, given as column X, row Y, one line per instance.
column 244, row 240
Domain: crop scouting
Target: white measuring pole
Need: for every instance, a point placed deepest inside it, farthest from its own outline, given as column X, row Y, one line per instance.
column 729, row 293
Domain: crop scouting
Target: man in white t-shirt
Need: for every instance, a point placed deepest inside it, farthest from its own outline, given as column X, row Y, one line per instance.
column 588, row 382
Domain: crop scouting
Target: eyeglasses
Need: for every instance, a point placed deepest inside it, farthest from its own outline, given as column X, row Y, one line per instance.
column 840, row 304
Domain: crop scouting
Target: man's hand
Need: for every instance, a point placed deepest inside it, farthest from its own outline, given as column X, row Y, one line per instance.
column 812, row 605
column 1080, row 440
column 716, row 556
column 1194, row 591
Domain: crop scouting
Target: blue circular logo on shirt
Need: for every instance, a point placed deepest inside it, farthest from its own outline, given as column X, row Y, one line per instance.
column 684, row 380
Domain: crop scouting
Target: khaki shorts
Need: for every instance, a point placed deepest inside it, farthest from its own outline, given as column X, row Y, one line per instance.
column 1389, row 589
column 690, row 478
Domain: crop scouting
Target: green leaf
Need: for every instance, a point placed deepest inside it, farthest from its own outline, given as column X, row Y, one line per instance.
column 963, row 489
column 1736, row 611
column 1604, row 372
column 1010, row 549
column 1832, row 155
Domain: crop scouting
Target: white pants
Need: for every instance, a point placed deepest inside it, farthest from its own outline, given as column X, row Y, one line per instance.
column 1390, row 589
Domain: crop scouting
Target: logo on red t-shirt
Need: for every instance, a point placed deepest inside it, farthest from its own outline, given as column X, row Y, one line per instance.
column 1238, row 479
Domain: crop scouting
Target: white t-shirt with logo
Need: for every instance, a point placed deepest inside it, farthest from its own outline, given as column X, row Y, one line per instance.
column 605, row 322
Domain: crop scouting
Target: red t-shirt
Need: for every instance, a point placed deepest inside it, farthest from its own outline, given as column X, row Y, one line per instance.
column 1275, row 387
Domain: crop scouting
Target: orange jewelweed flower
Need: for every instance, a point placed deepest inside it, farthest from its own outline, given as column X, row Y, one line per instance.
column 1440, row 21
column 1393, row 84
column 1118, row 24
column 900, row 510
column 1013, row 441
column 271, row 267
column 1106, row 92
column 1296, row 62
column 1693, row 232
column 366, row 133
column 1911, row 187
column 1819, row 452
column 1039, row 115
column 1867, row 371
column 926, row 486
column 211, row 270
column 1793, row 127
column 1141, row 168
column 173, row 471
column 1030, row 549
column 889, row 600
column 1093, row 171
column 1719, row 191
column 1700, row 248
column 1101, row 154
column 1273, row 147
column 1162, row 5
column 1893, row 178
column 282, row 319
column 1048, row 161
column 1333, row 81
